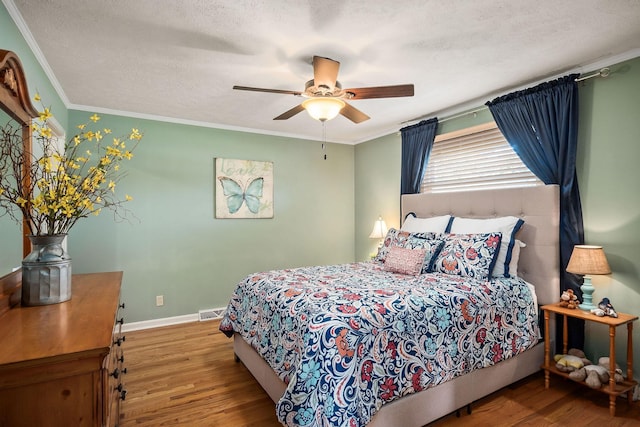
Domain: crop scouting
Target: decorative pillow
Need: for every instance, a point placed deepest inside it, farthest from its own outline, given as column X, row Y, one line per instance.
column 471, row 255
column 403, row 239
column 507, row 225
column 405, row 261
column 435, row 224
column 433, row 247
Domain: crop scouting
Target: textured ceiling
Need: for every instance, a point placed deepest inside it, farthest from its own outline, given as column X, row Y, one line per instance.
column 180, row 59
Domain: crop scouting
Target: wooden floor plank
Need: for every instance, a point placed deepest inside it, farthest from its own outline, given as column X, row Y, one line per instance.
column 185, row 375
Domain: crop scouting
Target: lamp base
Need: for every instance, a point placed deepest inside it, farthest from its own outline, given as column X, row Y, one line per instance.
column 587, row 307
column 587, row 294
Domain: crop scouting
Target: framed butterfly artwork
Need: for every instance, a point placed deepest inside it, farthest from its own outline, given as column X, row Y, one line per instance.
column 243, row 188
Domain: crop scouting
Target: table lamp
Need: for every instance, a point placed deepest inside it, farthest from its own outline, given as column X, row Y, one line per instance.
column 379, row 230
column 587, row 260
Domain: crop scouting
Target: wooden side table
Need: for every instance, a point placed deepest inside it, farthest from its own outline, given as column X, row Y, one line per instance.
column 613, row 389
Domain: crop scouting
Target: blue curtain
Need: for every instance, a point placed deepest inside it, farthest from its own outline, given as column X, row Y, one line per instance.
column 417, row 141
column 541, row 124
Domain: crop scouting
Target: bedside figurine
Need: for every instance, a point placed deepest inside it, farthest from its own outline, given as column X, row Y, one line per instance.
column 606, row 307
column 568, row 299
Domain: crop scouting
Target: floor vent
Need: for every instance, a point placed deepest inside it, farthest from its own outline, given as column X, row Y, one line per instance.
column 210, row 314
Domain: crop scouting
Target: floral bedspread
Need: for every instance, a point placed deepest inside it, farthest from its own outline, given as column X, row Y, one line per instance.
column 348, row 338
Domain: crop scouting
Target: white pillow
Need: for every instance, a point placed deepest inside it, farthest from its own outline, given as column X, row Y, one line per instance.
column 435, row 224
column 515, row 256
column 507, row 225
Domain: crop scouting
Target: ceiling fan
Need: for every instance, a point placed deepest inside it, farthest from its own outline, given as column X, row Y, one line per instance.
column 326, row 98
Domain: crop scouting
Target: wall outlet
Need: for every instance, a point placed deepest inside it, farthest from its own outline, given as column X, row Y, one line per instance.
column 159, row 300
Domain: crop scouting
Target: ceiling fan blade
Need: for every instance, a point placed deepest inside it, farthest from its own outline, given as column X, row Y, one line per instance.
column 353, row 114
column 288, row 114
column 325, row 72
column 381, row 91
column 257, row 89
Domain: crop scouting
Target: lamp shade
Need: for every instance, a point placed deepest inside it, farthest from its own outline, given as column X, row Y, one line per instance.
column 379, row 229
column 588, row 259
column 323, row 108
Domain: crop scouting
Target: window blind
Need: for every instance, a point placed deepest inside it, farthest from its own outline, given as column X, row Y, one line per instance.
column 475, row 160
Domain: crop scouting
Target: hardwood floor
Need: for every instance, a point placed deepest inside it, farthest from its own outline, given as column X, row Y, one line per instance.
column 185, row 375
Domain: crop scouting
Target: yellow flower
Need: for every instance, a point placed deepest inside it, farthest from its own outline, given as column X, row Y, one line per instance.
column 113, row 151
column 45, row 115
column 36, row 97
column 135, row 134
column 46, row 132
column 68, row 183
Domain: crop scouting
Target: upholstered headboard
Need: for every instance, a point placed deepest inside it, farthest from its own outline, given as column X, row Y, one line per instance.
column 539, row 207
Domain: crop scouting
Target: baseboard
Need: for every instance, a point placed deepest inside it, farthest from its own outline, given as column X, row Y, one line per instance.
column 202, row 315
column 158, row 323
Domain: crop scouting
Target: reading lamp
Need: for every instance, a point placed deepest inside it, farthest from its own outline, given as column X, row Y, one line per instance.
column 379, row 230
column 587, row 260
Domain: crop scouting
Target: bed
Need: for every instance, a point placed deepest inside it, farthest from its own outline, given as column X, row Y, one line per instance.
column 333, row 368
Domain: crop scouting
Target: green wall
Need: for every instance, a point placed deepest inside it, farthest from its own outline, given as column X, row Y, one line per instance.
column 377, row 171
column 176, row 248
column 608, row 176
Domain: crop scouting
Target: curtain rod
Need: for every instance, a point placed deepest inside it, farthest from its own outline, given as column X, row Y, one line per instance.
column 604, row 72
column 466, row 113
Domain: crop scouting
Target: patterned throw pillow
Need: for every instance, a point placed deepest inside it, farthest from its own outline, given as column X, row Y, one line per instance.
column 471, row 255
column 507, row 225
column 405, row 261
column 433, row 247
column 404, row 239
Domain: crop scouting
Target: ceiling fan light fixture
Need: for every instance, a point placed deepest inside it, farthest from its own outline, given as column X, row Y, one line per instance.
column 324, row 108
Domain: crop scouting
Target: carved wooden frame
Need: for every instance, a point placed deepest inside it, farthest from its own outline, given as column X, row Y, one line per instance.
column 15, row 101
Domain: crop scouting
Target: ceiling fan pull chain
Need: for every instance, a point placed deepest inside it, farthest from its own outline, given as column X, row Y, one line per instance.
column 324, row 139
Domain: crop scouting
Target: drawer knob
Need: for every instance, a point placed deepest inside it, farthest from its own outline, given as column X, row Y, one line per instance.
column 121, row 305
column 120, row 321
column 119, row 341
column 123, row 394
column 115, row 373
column 121, row 358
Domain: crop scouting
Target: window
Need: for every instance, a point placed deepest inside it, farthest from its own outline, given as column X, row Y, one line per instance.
column 477, row 158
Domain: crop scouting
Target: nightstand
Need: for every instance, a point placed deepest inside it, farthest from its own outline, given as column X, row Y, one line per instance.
column 613, row 390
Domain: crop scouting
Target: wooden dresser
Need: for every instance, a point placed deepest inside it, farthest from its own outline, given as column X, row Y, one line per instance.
column 61, row 364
